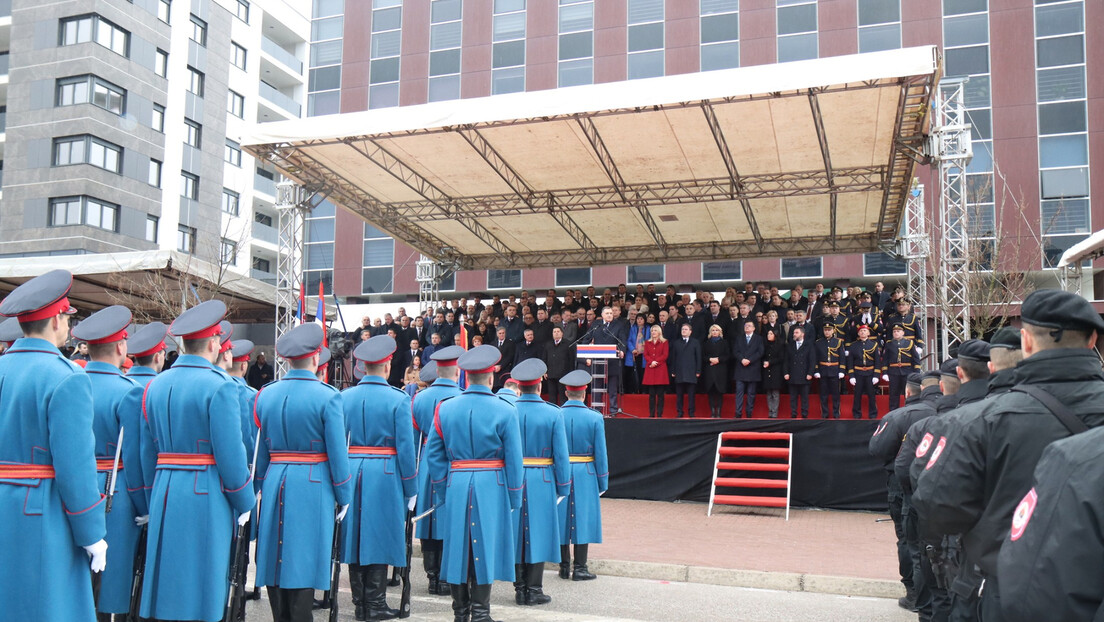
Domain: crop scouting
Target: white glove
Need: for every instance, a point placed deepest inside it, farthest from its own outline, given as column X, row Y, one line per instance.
column 411, row 502
column 885, row 377
column 919, row 351
column 841, row 375
column 816, row 375
column 601, row 493
column 559, row 500
column 141, row 520
column 98, row 553
column 874, row 380
column 243, row 519
column 852, row 382
column 341, row 514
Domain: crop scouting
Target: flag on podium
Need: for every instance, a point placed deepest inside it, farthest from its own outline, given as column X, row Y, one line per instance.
column 463, row 337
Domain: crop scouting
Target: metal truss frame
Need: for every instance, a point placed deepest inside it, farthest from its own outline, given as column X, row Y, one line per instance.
column 915, row 247
column 293, row 204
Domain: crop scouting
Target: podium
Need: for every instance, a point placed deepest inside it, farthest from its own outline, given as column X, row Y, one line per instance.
column 599, row 356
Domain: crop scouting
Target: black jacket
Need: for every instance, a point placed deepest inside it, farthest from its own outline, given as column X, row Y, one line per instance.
column 800, row 363
column 685, row 360
column 914, row 433
column 715, row 377
column 559, row 358
column 752, row 351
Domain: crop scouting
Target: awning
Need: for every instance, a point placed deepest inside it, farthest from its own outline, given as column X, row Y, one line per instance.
column 155, row 285
column 801, row 158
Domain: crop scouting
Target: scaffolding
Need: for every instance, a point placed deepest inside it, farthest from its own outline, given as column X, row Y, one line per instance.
column 915, row 247
column 430, row 274
column 293, row 204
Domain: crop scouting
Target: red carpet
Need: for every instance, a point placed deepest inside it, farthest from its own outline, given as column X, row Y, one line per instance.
column 638, row 405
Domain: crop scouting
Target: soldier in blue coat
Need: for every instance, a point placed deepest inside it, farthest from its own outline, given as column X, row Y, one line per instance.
column 428, row 530
column 581, row 513
column 384, row 474
column 193, row 453
column 547, row 477
column 50, row 505
column 117, row 408
column 475, row 465
column 302, row 468
column 147, row 346
column 236, row 364
column 510, row 390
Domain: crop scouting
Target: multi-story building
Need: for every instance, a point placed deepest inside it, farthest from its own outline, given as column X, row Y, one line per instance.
column 124, row 122
column 1035, row 97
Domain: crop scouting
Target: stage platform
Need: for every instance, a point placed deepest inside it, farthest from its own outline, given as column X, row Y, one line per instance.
column 672, row 459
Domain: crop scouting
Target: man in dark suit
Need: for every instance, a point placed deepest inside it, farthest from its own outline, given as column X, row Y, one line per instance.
column 528, row 348
column 684, row 364
column 568, row 326
column 696, row 322
column 606, row 331
column 799, row 367
column 667, row 325
column 506, row 363
column 560, row 358
column 399, row 362
column 747, row 360
column 715, row 316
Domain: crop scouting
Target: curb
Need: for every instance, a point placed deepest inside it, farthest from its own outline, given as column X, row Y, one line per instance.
column 757, row 579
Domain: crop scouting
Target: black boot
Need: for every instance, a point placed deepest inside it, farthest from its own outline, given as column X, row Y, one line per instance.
column 580, row 572
column 461, row 602
column 298, row 604
column 534, row 584
column 431, row 561
column 481, row 603
column 276, row 602
column 375, row 593
column 519, row 584
column 565, row 561
column 356, row 584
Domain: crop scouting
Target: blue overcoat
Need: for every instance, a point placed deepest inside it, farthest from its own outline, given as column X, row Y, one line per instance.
column 189, row 409
column 117, row 401
column 302, row 415
column 424, row 405
column 581, row 512
column 378, row 416
column 542, row 437
column 141, row 375
column 247, row 398
column 476, row 425
column 46, row 419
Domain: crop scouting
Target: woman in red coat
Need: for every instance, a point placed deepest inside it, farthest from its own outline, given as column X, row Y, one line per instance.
column 655, row 371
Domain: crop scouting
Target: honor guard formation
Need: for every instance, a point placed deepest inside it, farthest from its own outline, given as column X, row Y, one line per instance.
column 137, row 495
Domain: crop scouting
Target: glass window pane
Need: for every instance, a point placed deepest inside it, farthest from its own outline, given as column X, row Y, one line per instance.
column 1061, row 83
column 721, row 270
column 981, row 122
column 958, row 7
column 510, row 26
column 445, row 10
column 380, row 252
column 979, row 188
column 510, row 80
column 720, row 28
column 1059, row 19
column 983, row 158
column 332, row 28
column 720, row 56
column 572, row 276
column 576, row 72
column 443, row 36
column 797, row 47
column 794, row 19
column 503, row 279
column 320, row 230
column 879, row 11
column 440, row 63
column 646, row 37
column 388, row 19
column 326, row 78
column 325, row 278
column 645, row 11
column 383, row 70
column 966, row 30
column 319, row 256
column 376, row 281
column 444, row 88
column 505, row 6
column 967, row 61
column 383, row 96
column 577, row 17
column 709, row 7
column 577, row 45
column 1065, row 216
column 645, row 65
column 801, row 267
column 371, row 232
column 878, row 38
column 328, row 53
column 508, row 54
column 1065, row 183
column 653, row 273
column 1059, row 151
column 323, row 103
column 977, row 93
column 386, row 44
column 1060, row 51
column 1062, row 118
column 326, row 8
column 1054, row 247
column 883, row 263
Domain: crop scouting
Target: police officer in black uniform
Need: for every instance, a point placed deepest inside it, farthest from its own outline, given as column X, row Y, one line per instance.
column 986, row 469
column 830, row 370
column 900, row 360
column 864, row 365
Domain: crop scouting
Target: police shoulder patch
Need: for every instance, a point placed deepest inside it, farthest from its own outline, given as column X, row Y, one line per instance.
column 925, row 444
column 1022, row 516
column 938, row 452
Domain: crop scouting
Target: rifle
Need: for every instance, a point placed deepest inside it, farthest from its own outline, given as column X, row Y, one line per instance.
column 139, row 576
column 111, row 477
column 335, row 566
column 235, row 602
column 935, row 558
column 404, row 573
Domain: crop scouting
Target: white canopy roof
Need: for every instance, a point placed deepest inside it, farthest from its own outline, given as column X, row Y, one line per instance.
column 1089, row 248
column 808, row 157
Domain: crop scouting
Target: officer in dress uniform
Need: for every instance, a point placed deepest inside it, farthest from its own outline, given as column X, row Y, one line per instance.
column 836, row 320
column 236, row 364
column 475, row 467
column 302, row 471
column 899, row 360
column 384, row 482
column 864, row 365
column 49, row 500
column 428, row 530
column 830, row 370
column 547, row 477
column 147, row 346
column 510, row 390
column 192, row 451
column 581, row 512
column 866, row 316
column 117, row 404
column 914, row 329
column 984, row 471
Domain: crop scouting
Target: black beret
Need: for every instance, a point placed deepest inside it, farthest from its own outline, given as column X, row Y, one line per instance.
column 915, row 379
column 1057, row 309
column 974, row 350
column 928, row 375
column 949, row 368
column 1006, row 337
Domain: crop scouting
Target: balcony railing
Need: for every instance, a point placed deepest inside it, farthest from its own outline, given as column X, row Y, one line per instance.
column 281, row 100
column 265, row 233
column 4, row 57
column 275, row 51
column 264, row 184
column 262, row 276
column 5, row 8
column 3, row 122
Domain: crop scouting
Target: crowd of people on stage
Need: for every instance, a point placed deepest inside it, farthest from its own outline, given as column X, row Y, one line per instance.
column 751, row 341
column 156, row 479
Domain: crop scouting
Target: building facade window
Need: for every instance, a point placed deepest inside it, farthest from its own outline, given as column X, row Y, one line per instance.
column 193, row 133
column 163, row 10
column 199, row 31
column 189, row 185
column 445, row 35
column 186, row 239
column 720, row 34
column 228, row 251
column 503, row 279
column 797, row 30
column 152, row 223
column 379, row 262
column 242, row 10
column 154, row 173
column 196, row 80
column 576, row 43
column 721, row 270
column 508, row 49
column 87, row 149
column 93, row 28
column 570, row 277
column 84, row 210
column 645, row 39
column 262, row 265
column 157, row 121
column 90, row 89
column 879, row 25
column 318, row 249
column 383, row 72
column 238, row 56
column 235, row 104
column 232, row 153
column 324, row 77
column 230, row 202
column 878, row 264
column 802, row 267
column 161, row 63
column 645, row 274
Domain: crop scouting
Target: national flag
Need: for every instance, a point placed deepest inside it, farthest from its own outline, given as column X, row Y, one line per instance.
column 463, row 336
column 320, row 314
column 301, row 311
